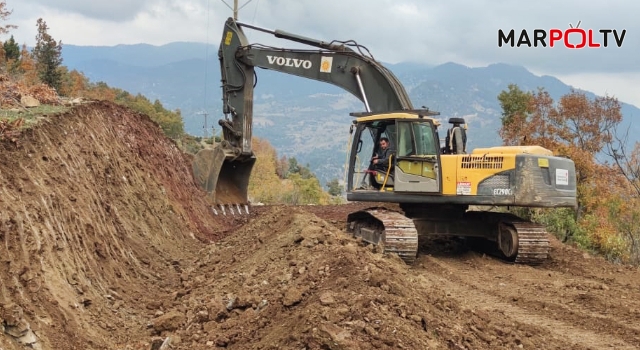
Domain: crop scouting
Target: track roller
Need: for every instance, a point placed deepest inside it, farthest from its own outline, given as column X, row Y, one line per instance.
column 524, row 242
column 393, row 231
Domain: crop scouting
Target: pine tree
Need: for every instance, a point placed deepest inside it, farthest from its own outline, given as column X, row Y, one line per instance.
column 11, row 49
column 10, row 55
column 48, row 56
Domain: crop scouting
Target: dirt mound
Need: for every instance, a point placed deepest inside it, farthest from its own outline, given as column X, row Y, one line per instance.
column 290, row 280
column 106, row 243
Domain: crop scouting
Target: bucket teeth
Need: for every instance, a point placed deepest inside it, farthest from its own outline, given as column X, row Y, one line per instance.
column 230, row 207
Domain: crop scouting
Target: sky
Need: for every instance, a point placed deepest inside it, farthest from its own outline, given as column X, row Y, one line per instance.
column 423, row 31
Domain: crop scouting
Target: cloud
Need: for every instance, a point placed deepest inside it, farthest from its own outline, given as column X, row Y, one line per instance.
column 467, row 31
column 622, row 86
column 111, row 10
column 423, row 31
column 145, row 21
column 400, row 30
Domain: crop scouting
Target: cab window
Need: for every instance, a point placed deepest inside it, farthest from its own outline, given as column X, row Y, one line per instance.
column 415, row 139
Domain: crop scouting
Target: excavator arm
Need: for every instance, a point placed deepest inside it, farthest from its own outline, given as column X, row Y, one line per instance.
column 335, row 63
column 224, row 171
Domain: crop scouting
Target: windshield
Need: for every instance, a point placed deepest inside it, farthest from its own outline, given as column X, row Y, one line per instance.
column 415, row 139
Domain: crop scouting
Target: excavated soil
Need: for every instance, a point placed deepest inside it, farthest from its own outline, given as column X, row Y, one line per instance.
column 106, row 243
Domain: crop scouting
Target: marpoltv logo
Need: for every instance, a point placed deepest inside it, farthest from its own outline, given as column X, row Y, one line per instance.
column 571, row 38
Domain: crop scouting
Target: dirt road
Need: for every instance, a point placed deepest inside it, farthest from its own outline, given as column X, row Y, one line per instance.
column 106, row 243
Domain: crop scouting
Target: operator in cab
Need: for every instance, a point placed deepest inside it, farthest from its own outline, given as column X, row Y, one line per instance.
column 380, row 160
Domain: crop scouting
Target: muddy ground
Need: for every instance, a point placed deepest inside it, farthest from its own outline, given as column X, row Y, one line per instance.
column 106, row 243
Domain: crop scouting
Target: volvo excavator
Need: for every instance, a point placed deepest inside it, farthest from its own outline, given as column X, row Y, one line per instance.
column 436, row 191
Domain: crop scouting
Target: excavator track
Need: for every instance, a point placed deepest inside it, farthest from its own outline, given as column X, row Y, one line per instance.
column 523, row 242
column 393, row 231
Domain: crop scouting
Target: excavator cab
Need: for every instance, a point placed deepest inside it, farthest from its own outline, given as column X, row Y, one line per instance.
column 414, row 166
column 369, row 135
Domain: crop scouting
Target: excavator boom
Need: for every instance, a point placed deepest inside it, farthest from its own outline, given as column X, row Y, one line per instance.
column 224, row 171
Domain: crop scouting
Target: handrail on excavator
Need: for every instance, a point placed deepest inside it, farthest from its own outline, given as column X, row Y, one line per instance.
column 384, row 183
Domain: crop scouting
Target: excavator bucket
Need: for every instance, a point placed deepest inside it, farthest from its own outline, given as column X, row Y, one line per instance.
column 224, row 176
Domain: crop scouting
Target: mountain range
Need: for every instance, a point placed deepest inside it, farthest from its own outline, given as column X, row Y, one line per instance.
column 304, row 118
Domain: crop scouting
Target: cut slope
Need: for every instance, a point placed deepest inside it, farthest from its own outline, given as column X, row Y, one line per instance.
column 96, row 209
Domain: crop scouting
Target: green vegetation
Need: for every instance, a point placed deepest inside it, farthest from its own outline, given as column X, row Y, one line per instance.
column 31, row 115
column 48, row 57
column 170, row 121
column 11, row 49
column 335, row 189
column 284, row 180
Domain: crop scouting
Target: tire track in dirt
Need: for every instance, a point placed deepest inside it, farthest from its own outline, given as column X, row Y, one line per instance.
column 564, row 292
column 586, row 329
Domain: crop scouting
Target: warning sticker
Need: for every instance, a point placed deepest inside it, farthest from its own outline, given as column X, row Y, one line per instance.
column 463, row 188
column 562, row 177
column 227, row 40
column 325, row 64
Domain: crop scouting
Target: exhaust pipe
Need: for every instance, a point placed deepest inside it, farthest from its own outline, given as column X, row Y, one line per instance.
column 223, row 175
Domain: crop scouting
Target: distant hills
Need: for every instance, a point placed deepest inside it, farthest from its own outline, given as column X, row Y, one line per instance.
column 304, row 118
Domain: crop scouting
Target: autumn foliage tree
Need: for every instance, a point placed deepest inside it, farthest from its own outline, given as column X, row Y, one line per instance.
column 577, row 127
column 625, row 208
column 270, row 183
column 27, row 67
column 265, row 185
column 73, row 83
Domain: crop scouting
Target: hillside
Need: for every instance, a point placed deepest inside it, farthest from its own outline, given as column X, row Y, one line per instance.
column 302, row 118
column 105, row 243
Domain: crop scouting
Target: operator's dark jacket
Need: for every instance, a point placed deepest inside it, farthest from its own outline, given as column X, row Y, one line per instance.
column 383, row 158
